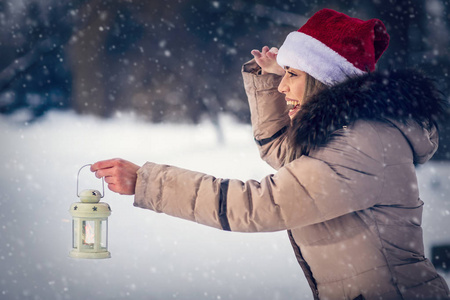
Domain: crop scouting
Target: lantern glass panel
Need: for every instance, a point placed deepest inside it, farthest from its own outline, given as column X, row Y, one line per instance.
column 104, row 234
column 75, row 233
column 88, row 234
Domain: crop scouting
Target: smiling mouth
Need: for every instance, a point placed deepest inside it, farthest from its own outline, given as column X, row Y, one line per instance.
column 292, row 104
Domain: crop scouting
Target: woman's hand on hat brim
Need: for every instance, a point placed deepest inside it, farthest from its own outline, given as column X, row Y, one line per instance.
column 267, row 60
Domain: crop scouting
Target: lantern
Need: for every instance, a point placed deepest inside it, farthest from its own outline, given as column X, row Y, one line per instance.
column 90, row 224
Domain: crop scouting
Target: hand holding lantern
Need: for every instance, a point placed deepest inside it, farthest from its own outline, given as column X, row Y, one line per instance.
column 118, row 173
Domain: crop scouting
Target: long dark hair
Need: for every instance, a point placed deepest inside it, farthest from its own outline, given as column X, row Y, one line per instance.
column 312, row 87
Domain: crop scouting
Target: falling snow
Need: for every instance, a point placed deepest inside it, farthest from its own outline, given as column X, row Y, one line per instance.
column 154, row 256
column 199, row 49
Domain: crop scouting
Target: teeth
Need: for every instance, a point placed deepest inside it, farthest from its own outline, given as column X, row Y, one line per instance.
column 292, row 104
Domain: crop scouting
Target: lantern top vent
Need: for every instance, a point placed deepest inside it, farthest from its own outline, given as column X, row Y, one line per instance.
column 90, row 196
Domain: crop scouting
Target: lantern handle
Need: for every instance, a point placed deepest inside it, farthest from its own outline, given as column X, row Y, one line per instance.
column 78, row 176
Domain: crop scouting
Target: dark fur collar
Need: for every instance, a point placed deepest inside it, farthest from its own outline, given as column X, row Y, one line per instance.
column 401, row 95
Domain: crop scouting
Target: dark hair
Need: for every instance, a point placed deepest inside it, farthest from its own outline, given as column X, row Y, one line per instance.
column 312, row 87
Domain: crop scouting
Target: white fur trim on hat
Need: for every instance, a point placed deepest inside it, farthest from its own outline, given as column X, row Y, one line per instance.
column 303, row 52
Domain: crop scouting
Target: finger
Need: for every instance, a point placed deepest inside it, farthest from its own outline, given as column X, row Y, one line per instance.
column 104, row 172
column 274, row 50
column 110, row 179
column 271, row 55
column 109, row 163
column 265, row 49
column 256, row 53
column 113, row 187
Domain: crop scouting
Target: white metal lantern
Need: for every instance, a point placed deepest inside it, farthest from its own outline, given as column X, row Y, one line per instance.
column 90, row 224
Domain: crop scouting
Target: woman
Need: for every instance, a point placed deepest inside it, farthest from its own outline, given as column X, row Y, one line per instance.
column 345, row 187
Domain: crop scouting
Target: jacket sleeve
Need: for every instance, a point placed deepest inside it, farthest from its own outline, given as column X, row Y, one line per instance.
column 269, row 114
column 303, row 192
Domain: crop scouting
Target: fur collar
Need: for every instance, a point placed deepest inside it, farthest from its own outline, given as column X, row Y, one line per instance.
column 401, row 95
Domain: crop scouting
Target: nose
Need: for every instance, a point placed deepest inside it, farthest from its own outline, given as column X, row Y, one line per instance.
column 283, row 87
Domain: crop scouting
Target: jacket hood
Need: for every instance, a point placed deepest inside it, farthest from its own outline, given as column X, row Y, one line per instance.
column 407, row 99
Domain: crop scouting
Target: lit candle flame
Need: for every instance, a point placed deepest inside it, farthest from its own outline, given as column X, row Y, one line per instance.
column 88, row 234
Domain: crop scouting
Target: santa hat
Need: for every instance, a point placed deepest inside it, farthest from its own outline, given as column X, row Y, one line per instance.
column 332, row 46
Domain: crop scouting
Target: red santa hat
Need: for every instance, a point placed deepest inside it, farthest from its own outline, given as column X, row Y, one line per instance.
column 332, row 46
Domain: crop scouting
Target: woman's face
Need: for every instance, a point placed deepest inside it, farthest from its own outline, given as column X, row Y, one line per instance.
column 293, row 86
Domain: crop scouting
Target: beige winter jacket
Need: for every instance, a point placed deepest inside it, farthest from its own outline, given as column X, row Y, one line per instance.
column 350, row 204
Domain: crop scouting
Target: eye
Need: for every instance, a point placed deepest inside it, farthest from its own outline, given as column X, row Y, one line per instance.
column 291, row 74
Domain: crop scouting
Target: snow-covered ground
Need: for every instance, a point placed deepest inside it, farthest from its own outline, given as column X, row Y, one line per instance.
column 154, row 256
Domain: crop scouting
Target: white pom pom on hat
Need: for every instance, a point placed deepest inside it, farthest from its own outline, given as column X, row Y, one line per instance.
column 332, row 46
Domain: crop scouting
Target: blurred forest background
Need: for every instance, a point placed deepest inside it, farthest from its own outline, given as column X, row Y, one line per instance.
column 180, row 61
